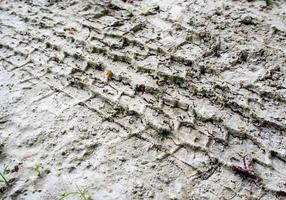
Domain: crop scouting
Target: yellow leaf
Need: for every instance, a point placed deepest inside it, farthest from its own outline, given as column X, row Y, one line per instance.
column 109, row 74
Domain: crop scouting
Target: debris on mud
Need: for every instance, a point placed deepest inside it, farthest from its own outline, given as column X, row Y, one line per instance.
column 71, row 31
column 140, row 88
column 281, row 194
column 246, row 173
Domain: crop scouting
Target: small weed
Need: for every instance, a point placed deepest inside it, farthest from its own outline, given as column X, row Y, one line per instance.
column 38, row 169
column 3, row 176
column 269, row 2
column 82, row 193
column 130, row 12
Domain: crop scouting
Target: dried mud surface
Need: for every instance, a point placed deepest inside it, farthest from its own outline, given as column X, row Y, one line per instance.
column 152, row 99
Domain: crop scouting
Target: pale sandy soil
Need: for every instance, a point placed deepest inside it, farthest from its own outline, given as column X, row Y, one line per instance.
column 195, row 107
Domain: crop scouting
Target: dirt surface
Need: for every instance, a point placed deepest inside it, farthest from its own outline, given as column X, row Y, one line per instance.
column 152, row 99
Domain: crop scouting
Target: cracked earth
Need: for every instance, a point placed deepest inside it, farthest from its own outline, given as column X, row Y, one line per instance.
column 151, row 99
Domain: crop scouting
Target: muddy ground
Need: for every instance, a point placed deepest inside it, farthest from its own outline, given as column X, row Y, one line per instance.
column 152, row 99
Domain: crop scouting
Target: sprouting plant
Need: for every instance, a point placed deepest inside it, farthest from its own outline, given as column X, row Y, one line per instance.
column 269, row 2
column 3, row 176
column 82, row 193
column 38, row 169
column 130, row 12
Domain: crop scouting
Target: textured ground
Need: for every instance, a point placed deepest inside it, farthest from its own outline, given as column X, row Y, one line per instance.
column 195, row 107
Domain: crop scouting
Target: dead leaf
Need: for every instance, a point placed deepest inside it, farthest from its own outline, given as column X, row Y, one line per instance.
column 109, row 74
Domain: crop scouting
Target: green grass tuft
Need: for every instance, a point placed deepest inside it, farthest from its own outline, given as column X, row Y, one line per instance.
column 3, row 176
column 269, row 2
column 82, row 193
